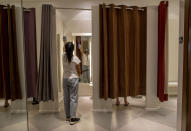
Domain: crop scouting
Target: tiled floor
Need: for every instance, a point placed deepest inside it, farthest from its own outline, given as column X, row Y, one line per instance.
column 131, row 118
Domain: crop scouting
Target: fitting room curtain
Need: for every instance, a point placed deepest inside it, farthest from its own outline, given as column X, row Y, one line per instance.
column 4, row 58
column 10, row 79
column 47, row 75
column 122, row 51
column 162, row 44
column 30, row 51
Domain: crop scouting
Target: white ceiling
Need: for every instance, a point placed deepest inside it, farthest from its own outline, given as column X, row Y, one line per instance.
column 73, row 14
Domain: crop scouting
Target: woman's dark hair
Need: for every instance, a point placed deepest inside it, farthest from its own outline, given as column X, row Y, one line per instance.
column 69, row 48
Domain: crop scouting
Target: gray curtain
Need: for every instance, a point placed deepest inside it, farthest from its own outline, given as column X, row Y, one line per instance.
column 47, row 74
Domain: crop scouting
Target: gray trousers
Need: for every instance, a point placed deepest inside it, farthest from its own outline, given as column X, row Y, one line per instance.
column 71, row 96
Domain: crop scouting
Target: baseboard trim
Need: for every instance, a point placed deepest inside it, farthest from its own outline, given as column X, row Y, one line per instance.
column 172, row 88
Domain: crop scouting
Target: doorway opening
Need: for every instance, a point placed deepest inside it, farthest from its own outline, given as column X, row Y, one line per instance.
column 74, row 25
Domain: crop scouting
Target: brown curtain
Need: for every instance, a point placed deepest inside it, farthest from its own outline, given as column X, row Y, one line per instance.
column 4, row 58
column 186, row 95
column 143, row 50
column 122, row 51
column 13, row 56
column 30, row 51
column 10, row 78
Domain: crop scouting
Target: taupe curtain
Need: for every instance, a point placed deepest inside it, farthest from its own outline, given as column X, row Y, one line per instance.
column 122, row 51
column 47, row 77
column 9, row 75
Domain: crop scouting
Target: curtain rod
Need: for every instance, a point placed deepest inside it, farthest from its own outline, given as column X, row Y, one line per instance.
column 28, row 10
column 127, row 8
column 4, row 6
column 118, row 7
column 59, row 8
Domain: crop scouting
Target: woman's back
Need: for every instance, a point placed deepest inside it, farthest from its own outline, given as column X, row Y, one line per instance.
column 70, row 70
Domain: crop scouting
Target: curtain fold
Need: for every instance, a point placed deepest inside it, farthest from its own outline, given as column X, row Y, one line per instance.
column 104, row 92
column 30, row 51
column 4, row 63
column 13, row 56
column 162, row 41
column 45, row 78
column 112, row 50
column 143, row 50
column 122, row 50
column 136, row 34
column 10, row 78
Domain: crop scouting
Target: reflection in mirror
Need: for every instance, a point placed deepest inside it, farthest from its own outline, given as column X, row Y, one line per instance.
column 82, row 51
column 82, row 42
column 13, row 113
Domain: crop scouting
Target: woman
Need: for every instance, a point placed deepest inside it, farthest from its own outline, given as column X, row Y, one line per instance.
column 71, row 67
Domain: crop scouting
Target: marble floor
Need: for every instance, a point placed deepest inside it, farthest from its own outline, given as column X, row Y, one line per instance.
column 12, row 121
column 131, row 118
column 135, row 118
column 85, row 89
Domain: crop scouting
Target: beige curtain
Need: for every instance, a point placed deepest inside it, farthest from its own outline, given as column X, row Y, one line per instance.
column 122, row 51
